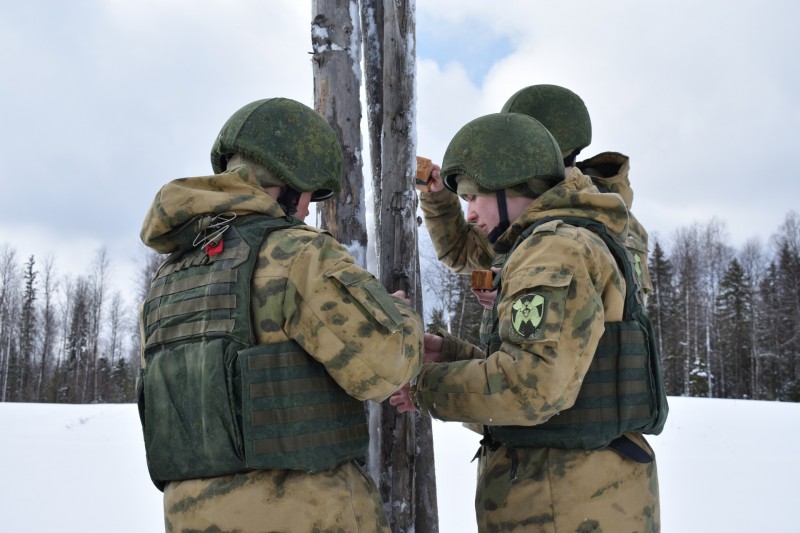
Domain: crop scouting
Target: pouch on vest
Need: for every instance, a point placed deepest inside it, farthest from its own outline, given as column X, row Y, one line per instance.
column 211, row 402
column 623, row 389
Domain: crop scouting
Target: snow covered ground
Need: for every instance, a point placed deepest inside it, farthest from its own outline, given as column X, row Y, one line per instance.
column 724, row 465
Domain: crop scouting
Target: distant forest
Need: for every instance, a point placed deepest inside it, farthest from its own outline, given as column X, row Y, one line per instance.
column 727, row 320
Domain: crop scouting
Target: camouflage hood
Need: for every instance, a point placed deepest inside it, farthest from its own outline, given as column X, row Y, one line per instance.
column 179, row 201
column 609, row 172
column 576, row 196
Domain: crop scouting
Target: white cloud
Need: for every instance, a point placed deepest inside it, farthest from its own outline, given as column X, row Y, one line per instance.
column 104, row 101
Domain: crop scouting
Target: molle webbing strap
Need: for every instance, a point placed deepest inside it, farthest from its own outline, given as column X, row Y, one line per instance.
column 200, row 280
column 294, row 414
column 615, row 386
column 198, row 327
column 194, row 305
column 199, row 304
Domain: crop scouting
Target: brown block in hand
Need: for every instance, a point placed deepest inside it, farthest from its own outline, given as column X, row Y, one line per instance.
column 424, row 169
column 481, row 280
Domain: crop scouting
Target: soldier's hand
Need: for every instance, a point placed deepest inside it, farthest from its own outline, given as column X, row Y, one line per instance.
column 401, row 295
column 428, row 175
column 486, row 297
column 435, row 184
column 401, row 399
column 433, row 348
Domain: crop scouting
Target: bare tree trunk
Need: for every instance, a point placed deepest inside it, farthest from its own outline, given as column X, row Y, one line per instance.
column 48, row 324
column 336, row 39
column 407, row 480
column 8, row 281
column 99, row 279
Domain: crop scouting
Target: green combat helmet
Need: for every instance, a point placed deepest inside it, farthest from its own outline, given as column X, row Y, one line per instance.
column 501, row 151
column 504, row 152
column 287, row 138
column 561, row 111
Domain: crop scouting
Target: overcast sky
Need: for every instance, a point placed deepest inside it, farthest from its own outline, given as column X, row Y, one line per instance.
column 103, row 101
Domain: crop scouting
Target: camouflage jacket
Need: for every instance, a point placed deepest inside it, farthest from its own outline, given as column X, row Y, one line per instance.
column 305, row 288
column 463, row 249
column 459, row 246
column 609, row 172
column 539, row 367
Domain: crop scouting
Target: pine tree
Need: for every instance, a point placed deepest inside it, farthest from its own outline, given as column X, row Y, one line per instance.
column 438, row 321
column 27, row 334
column 663, row 314
column 769, row 336
column 75, row 368
column 788, row 306
column 734, row 312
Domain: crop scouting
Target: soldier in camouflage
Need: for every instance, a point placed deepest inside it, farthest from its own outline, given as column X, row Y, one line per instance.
column 559, row 289
column 565, row 115
column 262, row 340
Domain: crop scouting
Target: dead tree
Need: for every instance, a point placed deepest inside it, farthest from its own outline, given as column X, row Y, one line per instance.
column 336, row 39
column 407, row 479
column 401, row 453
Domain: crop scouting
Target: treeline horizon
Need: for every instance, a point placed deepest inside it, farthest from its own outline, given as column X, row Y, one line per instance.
column 727, row 320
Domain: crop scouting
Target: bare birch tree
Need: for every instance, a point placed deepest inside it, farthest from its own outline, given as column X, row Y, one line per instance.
column 99, row 280
column 9, row 289
column 49, row 286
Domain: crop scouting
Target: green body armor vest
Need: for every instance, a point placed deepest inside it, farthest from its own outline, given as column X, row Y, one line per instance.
column 623, row 389
column 212, row 402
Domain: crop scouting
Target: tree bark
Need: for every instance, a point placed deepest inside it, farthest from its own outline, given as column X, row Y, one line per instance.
column 336, row 39
column 407, row 478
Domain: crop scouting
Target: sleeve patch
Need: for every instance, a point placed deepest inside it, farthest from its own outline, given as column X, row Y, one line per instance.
column 527, row 315
column 534, row 308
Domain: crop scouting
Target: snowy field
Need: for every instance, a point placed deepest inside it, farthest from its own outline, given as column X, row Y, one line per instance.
column 724, row 465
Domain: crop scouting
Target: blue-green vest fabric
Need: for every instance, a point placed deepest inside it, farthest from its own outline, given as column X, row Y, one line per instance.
column 211, row 401
column 623, row 390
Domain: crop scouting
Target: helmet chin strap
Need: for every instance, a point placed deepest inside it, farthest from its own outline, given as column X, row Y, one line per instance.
column 288, row 200
column 502, row 211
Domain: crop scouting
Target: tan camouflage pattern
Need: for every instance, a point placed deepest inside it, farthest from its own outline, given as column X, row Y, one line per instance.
column 529, row 380
column 620, row 184
column 306, row 287
column 340, row 500
column 567, row 490
column 458, row 245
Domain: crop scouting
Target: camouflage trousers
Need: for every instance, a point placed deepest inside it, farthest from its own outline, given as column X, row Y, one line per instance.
column 559, row 491
column 344, row 499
